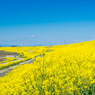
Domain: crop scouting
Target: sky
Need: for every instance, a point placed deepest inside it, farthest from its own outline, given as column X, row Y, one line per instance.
column 46, row 22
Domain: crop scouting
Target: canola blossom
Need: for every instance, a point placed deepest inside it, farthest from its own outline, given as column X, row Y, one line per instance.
column 63, row 70
column 8, row 59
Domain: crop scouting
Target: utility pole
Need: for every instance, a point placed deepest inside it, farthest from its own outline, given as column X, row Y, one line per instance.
column 64, row 42
column 22, row 42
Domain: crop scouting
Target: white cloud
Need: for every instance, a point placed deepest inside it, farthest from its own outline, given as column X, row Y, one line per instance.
column 78, row 40
column 32, row 36
column 75, row 40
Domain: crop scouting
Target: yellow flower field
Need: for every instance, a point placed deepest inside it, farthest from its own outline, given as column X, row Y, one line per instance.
column 28, row 53
column 8, row 59
column 63, row 70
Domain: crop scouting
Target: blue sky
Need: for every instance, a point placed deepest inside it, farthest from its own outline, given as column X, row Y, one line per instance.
column 46, row 22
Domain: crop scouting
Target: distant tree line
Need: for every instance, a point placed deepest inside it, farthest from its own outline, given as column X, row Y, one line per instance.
column 13, row 46
column 10, row 46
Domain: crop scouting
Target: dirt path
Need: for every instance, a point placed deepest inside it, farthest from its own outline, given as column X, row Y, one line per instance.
column 1, row 60
column 5, row 71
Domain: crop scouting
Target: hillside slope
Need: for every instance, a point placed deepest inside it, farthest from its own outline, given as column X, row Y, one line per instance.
column 64, row 70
